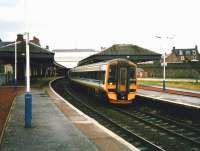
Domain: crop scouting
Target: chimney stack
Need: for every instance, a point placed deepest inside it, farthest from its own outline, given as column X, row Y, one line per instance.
column 20, row 37
column 196, row 47
column 47, row 47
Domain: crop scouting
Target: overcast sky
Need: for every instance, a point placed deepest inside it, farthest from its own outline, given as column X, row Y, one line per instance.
column 96, row 23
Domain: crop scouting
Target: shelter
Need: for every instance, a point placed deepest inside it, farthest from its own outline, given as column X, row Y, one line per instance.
column 128, row 51
column 41, row 59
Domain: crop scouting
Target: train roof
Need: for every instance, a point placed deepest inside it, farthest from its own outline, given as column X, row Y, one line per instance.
column 101, row 66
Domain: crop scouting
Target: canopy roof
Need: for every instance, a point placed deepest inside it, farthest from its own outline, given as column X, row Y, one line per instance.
column 7, row 51
column 128, row 51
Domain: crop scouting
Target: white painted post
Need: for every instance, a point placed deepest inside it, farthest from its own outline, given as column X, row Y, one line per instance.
column 15, row 63
column 27, row 64
column 164, row 72
column 28, row 95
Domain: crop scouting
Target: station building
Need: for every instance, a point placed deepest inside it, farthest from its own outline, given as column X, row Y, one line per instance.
column 42, row 62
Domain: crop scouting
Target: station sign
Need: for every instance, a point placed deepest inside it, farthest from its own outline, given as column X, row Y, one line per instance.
column 162, row 64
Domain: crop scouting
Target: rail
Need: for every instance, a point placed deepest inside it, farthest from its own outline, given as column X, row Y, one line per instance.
column 128, row 135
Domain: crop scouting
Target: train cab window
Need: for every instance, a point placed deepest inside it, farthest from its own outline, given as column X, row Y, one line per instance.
column 132, row 75
column 101, row 76
column 112, row 74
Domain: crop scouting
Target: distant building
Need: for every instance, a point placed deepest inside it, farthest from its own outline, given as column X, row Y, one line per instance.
column 103, row 48
column 183, row 55
column 70, row 57
column 36, row 41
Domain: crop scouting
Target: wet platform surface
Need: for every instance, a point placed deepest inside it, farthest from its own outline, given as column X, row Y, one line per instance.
column 172, row 98
column 57, row 125
column 50, row 131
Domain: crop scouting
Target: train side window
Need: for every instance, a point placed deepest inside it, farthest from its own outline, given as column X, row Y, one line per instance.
column 112, row 74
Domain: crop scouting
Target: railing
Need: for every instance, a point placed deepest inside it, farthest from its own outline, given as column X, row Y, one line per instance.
column 6, row 78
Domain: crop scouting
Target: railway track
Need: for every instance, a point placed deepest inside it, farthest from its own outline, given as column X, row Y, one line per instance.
column 131, row 137
column 182, row 114
column 171, row 127
column 144, row 130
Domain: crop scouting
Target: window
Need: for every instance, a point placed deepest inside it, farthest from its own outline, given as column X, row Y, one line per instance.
column 194, row 52
column 180, row 52
column 123, row 76
column 188, row 53
column 94, row 75
column 182, row 58
column 102, row 76
column 132, row 75
column 112, row 74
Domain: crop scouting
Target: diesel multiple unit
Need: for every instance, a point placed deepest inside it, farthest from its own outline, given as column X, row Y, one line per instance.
column 113, row 80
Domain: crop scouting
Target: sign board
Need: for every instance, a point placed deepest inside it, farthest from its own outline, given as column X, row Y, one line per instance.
column 162, row 64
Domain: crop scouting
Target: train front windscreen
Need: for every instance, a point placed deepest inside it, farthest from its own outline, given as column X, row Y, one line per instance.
column 120, row 80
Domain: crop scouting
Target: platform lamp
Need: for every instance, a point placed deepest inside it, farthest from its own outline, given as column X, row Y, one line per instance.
column 164, row 78
column 15, row 63
column 164, row 61
column 28, row 95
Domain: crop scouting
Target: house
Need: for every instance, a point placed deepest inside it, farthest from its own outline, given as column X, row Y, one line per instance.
column 183, row 55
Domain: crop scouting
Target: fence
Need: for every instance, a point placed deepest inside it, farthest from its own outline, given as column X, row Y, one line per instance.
column 181, row 70
column 6, row 78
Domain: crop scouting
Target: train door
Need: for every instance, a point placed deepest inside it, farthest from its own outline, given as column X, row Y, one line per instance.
column 122, row 82
column 122, row 79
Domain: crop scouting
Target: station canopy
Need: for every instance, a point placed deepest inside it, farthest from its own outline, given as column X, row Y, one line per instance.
column 128, row 51
column 42, row 62
column 37, row 54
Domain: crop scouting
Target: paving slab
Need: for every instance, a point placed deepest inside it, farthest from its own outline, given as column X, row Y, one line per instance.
column 50, row 131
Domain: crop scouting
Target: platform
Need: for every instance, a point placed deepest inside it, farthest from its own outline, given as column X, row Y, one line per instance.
column 172, row 98
column 56, row 126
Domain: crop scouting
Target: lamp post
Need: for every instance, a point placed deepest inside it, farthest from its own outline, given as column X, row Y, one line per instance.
column 28, row 95
column 164, row 61
column 15, row 63
column 164, row 73
column 164, row 78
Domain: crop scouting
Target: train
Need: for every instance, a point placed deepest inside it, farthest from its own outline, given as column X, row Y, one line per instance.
column 113, row 81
